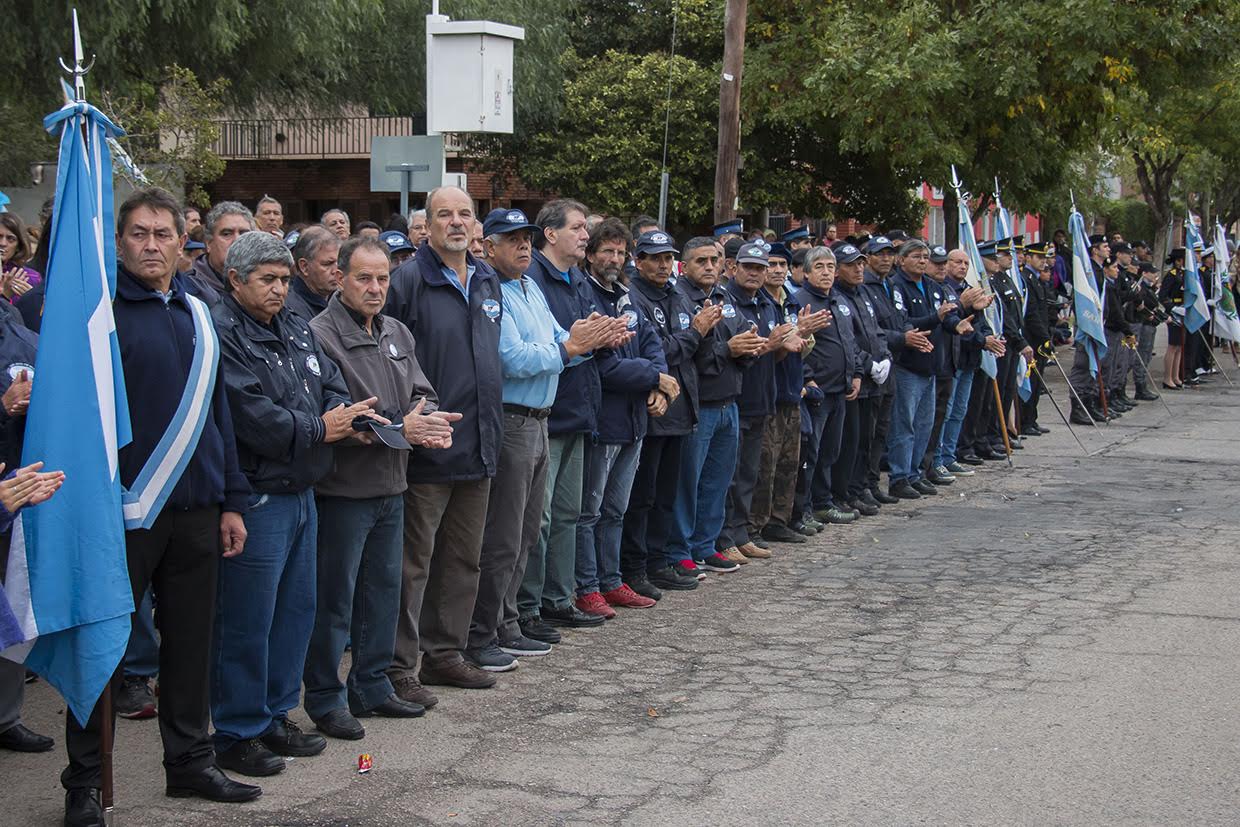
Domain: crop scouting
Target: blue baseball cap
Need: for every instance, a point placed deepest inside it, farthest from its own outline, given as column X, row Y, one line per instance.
column 794, row 235
column 396, row 241
column 290, row 240
column 778, row 250
column 879, row 243
column 753, row 253
column 508, row 220
column 194, row 245
column 938, row 254
column 733, row 226
column 654, row 242
column 847, row 253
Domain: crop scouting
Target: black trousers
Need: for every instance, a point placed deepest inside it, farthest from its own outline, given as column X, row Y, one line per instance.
column 1006, row 378
column 740, row 493
column 178, row 557
column 842, row 468
column 878, row 442
column 943, row 388
column 867, row 419
column 650, row 507
column 1029, row 410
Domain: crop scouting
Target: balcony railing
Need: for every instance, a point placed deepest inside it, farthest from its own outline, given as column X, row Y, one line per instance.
column 342, row 137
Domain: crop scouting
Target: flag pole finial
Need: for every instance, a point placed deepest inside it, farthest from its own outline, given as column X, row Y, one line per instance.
column 997, row 188
column 79, row 68
column 1072, row 198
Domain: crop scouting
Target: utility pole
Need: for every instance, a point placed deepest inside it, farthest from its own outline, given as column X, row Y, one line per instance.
column 730, row 109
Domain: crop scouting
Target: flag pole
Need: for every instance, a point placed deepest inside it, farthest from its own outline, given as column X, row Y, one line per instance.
column 1209, row 350
column 1059, row 410
column 1074, row 394
column 78, row 70
column 1007, row 445
column 1162, row 397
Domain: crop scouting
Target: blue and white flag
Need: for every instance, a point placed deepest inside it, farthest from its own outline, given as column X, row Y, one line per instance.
column 1003, row 229
column 1086, row 300
column 68, row 582
column 1024, row 383
column 1226, row 321
column 975, row 277
column 1196, row 311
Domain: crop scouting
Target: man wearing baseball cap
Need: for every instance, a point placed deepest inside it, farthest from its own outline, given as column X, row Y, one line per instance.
column 400, row 248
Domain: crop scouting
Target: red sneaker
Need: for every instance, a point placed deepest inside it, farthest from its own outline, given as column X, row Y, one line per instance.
column 688, row 568
column 594, row 604
column 627, row 598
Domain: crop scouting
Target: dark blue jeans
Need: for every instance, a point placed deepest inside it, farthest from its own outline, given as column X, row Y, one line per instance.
column 608, row 478
column 912, row 419
column 359, row 563
column 263, row 617
column 142, row 654
column 707, row 462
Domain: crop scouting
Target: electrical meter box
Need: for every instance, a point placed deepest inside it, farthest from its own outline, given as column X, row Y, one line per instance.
column 469, row 75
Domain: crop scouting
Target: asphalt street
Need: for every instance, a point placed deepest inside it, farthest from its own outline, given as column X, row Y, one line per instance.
column 1050, row 644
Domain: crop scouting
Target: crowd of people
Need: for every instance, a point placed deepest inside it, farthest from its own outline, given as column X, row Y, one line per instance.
column 439, row 444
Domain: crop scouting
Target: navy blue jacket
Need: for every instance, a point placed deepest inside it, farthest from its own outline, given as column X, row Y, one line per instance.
column 580, row 392
column 878, row 290
column 720, row 375
column 790, row 372
column 834, row 360
column 17, row 353
column 671, row 315
column 758, row 383
column 457, row 343
column 30, row 305
column 628, row 373
column 867, row 334
column 303, row 301
column 280, row 383
column 157, row 348
column 916, row 310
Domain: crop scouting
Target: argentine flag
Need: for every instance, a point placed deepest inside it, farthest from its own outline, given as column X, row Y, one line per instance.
column 975, row 278
column 1196, row 311
column 1003, row 229
column 1087, row 301
column 68, row 582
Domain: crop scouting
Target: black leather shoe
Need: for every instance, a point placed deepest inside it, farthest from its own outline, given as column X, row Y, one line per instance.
column 972, row 459
column 782, row 534
column 212, row 785
column 903, row 490
column 1079, row 417
column 1146, row 396
column 340, row 723
column 535, row 629
column 19, row 739
column 1031, row 430
column 250, row 758
column 867, row 497
column 392, row 707
column 883, row 497
column 644, row 587
column 864, row 508
column 1042, row 429
column 83, row 808
column 572, row 618
column 286, row 738
column 925, row 488
column 991, row 454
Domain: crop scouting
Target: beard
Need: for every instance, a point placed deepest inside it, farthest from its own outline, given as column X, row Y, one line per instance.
column 608, row 275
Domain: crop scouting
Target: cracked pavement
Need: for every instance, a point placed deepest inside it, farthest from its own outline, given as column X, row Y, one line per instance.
column 1050, row 644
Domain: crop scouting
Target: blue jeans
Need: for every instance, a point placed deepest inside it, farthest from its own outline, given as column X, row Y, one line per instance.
column 912, row 419
column 263, row 618
column 707, row 462
column 608, row 478
column 957, row 407
column 359, row 564
column 142, row 654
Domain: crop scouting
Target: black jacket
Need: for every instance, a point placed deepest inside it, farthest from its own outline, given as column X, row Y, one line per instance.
column 790, row 372
column 280, row 383
column 834, row 359
column 303, row 301
column 1013, row 313
column 580, row 391
column 868, row 336
column 671, row 315
column 1037, row 318
column 457, row 343
column 879, row 292
column 629, row 373
column 758, row 383
column 965, row 352
column 915, row 309
column 720, row 374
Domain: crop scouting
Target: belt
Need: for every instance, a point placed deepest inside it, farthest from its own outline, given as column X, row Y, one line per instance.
column 521, row 410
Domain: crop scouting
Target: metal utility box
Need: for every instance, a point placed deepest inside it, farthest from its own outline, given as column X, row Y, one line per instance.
column 469, row 75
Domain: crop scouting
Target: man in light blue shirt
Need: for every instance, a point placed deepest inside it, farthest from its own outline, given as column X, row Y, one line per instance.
column 534, row 349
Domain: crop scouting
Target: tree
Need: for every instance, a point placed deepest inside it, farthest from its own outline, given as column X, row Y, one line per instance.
column 607, row 146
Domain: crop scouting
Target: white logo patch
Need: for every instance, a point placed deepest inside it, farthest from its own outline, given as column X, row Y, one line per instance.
column 683, row 318
column 392, row 350
column 312, row 364
column 844, row 311
column 516, row 217
column 659, row 317
column 898, row 298
column 729, row 312
column 16, row 368
column 490, row 309
column 630, row 319
column 659, row 238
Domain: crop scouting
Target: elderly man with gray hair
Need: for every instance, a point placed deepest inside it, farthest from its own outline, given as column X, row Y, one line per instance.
column 224, row 224
column 288, row 403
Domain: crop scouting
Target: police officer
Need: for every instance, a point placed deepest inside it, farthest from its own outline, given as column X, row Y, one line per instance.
column 1039, row 298
column 650, row 526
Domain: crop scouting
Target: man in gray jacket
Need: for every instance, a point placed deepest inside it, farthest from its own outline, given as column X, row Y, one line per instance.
column 360, row 504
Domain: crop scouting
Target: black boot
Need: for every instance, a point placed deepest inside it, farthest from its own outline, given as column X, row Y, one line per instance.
column 1079, row 416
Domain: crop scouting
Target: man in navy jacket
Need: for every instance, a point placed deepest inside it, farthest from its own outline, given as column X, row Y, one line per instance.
column 200, row 520
column 549, row 585
column 452, row 304
column 632, row 377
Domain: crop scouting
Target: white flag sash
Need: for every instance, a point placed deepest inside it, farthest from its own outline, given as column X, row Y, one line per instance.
column 142, row 502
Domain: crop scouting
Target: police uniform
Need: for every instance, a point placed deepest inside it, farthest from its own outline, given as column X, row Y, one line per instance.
column 1038, row 334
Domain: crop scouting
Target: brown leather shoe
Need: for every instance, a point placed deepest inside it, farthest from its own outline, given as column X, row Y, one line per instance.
column 754, row 551
column 733, row 554
column 455, row 673
column 411, row 689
